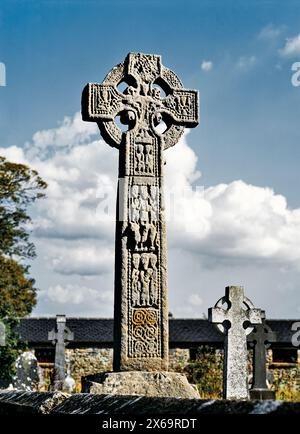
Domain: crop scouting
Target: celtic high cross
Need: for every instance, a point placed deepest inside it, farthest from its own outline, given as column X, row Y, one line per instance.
column 141, row 299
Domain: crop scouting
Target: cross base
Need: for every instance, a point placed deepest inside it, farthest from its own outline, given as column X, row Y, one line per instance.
column 261, row 394
column 140, row 383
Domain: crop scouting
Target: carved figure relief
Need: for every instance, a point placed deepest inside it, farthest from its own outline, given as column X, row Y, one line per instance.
column 143, row 217
column 144, row 280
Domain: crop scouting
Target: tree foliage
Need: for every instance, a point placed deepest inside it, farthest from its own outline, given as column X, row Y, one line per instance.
column 17, row 291
column 20, row 186
column 17, row 298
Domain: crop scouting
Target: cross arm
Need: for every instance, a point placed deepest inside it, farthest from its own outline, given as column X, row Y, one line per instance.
column 254, row 316
column 182, row 105
column 217, row 315
column 69, row 336
column 52, row 336
column 101, row 102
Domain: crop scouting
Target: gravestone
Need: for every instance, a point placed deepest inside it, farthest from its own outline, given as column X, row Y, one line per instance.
column 60, row 338
column 141, row 298
column 2, row 334
column 260, row 339
column 233, row 315
column 27, row 372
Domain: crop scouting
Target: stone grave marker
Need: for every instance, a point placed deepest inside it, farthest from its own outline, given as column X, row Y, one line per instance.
column 141, row 296
column 60, row 338
column 260, row 339
column 233, row 315
column 2, row 334
column 27, row 372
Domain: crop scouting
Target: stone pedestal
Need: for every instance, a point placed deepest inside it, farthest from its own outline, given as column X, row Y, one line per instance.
column 140, row 383
column 261, row 394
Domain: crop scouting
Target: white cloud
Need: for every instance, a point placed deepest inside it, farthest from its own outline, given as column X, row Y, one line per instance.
column 75, row 294
column 195, row 300
column 83, row 260
column 206, row 65
column 226, row 225
column 70, row 133
column 246, row 62
column 270, row 32
column 291, row 47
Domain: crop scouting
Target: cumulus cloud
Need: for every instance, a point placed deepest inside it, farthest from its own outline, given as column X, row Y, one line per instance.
column 291, row 47
column 74, row 225
column 225, row 221
column 75, row 294
column 84, row 260
column 206, row 65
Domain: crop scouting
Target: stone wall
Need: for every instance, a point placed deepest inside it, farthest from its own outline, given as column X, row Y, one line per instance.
column 88, row 361
column 285, row 380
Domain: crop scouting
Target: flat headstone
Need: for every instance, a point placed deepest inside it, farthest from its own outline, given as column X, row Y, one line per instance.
column 27, row 372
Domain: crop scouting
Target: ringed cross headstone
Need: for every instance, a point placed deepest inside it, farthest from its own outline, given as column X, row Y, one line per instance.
column 141, row 298
column 60, row 336
column 260, row 339
column 233, row 315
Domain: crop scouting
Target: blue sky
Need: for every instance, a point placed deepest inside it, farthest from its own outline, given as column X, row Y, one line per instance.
column 52, row 48
column 250, row 111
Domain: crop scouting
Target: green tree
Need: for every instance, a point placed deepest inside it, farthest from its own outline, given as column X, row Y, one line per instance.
column 20, row 186
column 17, row 297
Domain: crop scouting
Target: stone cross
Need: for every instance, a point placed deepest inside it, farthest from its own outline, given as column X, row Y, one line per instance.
column 260, row 339
column 141, row 301
column 60, row 337
column 233, row 322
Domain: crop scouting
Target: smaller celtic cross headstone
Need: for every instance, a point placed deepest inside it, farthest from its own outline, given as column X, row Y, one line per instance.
column 234, row 321
column 260, row 339
column 60, row 338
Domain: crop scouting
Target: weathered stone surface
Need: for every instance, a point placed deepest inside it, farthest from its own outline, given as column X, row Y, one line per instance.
column 2, row 334
column 141, row 301
column 27, row 372
column 235, row 320
column 18, row 403
column 141, row 383
column 260, row 339
column 60, row 338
